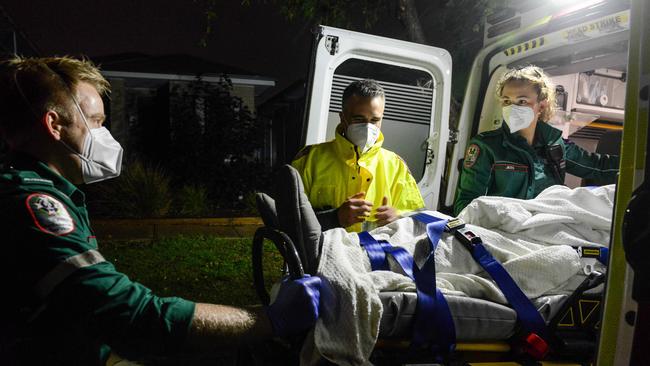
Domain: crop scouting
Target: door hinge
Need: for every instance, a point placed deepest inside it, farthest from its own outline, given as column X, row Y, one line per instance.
column 332, row 44
column 427, row 145
column 453, row 136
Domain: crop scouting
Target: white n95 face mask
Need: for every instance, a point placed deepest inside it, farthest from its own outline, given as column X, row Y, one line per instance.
column 518, row 117
column 363, row 135
column 101, row 157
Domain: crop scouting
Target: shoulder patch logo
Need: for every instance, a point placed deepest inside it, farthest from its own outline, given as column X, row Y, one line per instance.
column 471, row 155
column 49, row 214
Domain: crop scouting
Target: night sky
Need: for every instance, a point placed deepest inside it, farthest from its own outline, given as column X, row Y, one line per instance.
column 256, row 38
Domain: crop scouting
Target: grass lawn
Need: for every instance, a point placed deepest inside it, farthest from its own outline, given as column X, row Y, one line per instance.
column 199, row 268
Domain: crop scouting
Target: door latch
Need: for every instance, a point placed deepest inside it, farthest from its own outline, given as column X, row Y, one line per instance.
column 332, row 44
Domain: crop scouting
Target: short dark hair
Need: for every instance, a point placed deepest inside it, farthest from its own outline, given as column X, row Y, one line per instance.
column 366, row 88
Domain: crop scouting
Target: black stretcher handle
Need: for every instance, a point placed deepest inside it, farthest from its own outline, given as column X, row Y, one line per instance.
column 286, row 248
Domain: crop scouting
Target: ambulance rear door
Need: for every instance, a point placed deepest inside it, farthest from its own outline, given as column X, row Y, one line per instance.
column 417, row 82
column 625, row 333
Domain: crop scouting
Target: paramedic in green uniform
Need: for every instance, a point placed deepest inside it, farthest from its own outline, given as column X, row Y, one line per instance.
column 526, row 155
column 63, row 303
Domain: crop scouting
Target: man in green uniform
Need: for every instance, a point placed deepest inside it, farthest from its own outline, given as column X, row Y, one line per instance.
column 64, row 303
column 526, row 155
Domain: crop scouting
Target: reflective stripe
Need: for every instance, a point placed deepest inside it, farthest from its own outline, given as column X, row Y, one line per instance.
column 61, row 271
column 592, row 168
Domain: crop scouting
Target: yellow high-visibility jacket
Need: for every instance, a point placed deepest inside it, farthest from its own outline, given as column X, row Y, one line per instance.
column 335, row 170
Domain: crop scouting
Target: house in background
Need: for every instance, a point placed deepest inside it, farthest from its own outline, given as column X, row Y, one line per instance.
column 144, row 87
column 283, row 115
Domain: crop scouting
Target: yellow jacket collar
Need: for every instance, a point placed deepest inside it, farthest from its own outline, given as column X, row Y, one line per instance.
column 348, row 151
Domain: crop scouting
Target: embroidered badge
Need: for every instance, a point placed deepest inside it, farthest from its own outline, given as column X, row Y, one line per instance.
column 49, row 214
column 471, row 155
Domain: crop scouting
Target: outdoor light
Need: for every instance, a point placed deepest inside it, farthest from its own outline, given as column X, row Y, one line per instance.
column 576, row 4
column 570, row 6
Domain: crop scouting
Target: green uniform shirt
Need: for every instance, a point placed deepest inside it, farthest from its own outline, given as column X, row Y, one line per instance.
column 500, row 163
column 71, row 313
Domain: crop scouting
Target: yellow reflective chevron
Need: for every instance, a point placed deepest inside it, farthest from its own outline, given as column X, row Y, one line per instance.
column 587, row 307
column 525, row 46
column 568, row 319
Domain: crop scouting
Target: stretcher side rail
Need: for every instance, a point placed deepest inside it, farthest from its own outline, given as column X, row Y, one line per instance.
column 286, row 248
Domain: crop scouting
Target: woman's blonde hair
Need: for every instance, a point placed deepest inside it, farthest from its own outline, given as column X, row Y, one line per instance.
column 536, row 77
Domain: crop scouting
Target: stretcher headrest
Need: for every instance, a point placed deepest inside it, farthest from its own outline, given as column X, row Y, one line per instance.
column 266, row 207
column 297, row 218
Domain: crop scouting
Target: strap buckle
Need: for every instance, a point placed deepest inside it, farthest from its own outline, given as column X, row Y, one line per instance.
column 454, row 224
column 467, row 238
column 535, row 346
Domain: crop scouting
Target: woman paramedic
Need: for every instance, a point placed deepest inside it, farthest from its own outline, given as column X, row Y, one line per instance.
column 526, row 155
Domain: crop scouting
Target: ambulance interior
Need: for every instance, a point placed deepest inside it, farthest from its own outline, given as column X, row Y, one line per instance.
column 590, row 79
column 590, row 97
column 590, row 82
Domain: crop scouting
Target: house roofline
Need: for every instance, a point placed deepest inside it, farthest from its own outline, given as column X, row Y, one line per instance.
column 236, row 79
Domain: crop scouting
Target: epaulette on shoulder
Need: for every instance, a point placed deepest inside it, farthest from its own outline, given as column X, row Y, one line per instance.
column 496, row 132
column 488, row 135
column 303, row 152
column 13, row 177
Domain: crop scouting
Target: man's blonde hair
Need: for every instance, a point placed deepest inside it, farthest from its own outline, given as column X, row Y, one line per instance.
column 536, row 77
column 30, row 86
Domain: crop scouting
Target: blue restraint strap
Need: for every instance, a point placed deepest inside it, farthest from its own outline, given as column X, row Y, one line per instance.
column 433, row 323
column 374, row 250
column 377, row 251
column 402, row 257
column 604, row 255
column 528, row 315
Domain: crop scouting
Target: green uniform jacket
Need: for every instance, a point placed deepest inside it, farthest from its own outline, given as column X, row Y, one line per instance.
column 499, row 163
column 63, row 303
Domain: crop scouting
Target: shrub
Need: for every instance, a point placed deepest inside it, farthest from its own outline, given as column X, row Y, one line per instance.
column 192, row 201
column 141, row 191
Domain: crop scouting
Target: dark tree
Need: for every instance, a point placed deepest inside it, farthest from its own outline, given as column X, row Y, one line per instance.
column 214, row 141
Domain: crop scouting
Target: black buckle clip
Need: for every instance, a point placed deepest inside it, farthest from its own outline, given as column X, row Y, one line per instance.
column 467, row 238
column 454, row 224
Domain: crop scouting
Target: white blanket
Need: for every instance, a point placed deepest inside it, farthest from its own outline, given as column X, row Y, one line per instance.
column 527, row 237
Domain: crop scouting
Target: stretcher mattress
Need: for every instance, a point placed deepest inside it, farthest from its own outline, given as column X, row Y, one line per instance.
column 348, row 329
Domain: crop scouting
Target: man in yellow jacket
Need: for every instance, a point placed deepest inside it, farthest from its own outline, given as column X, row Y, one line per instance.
column 352, row 179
